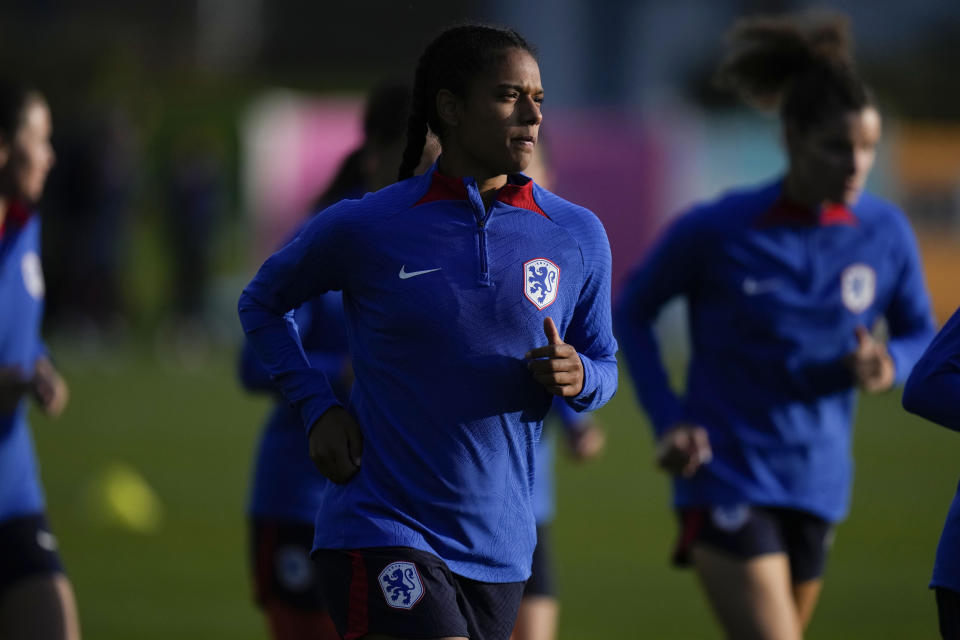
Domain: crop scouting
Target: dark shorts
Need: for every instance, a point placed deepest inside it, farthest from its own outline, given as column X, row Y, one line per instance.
column 282, row 568
column 407, row 593
column 746, row 531
column 948, row 612
column 541, row 582
column 27, row 548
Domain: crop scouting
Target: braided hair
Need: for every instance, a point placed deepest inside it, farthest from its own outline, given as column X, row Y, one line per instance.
column 801, row 63
column 450, row 62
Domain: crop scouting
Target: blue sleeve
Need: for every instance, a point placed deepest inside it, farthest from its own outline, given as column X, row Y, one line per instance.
column 908, row 315
column 590, row 330
column 933, row 388
column 307, row 267
column 253, row 375
column 669, row 270
column 332, row 362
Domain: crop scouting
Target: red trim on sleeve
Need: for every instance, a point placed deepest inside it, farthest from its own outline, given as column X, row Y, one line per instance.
column 357, row 615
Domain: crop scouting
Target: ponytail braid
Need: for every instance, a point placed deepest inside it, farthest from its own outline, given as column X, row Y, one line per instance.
column 416, row 139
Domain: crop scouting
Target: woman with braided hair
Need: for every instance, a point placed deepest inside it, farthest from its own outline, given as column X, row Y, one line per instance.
column 471, row 296
column 784, row 283
column 36, row 596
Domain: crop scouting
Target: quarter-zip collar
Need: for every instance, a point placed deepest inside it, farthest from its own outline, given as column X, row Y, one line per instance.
column 518, row 192
column 784, row 212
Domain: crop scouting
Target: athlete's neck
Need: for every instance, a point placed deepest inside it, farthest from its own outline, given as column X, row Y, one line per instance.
column 795, row 193
column 4, row 207
column 457, row 167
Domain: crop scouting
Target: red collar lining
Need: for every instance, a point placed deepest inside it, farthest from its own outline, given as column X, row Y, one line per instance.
column 516, row 195
column 783, row 212
column 17, row 215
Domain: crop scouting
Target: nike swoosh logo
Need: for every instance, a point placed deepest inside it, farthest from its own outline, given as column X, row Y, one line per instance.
column 409, row 274
column 754, row 287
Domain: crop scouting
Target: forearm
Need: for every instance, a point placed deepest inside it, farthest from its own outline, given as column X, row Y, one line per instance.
column 599, row 383
column 274, row 338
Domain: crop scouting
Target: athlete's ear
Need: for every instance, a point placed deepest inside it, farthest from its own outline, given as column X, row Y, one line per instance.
column 448, row 107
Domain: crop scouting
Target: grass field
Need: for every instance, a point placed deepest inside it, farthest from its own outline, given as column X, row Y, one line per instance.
column 191, row 435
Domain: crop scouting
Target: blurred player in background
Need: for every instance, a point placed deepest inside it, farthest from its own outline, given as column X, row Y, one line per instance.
column 933, row 391
column 287, row 486
column 36, row 598
column 585, row 439
column 458, row 286
column 784, row 283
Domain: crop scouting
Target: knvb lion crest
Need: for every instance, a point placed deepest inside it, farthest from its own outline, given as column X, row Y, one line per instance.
column 858, row 287
column 540, row 280
column 401, row 585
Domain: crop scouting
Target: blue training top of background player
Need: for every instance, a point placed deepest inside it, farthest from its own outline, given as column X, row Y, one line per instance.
column 448, row 409
column 773, row 303
column 21, row 301
column 933, row 391
column 286, row 484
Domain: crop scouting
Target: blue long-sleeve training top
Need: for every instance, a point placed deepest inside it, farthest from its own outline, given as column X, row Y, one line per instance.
column 775, row 294
column 933, row 391
column 286, row 485
column 21, row 312
column 443, row 298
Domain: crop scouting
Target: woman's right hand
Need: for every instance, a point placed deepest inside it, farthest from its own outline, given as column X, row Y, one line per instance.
column 683, row 448
column 336, row 445
column 13, row 386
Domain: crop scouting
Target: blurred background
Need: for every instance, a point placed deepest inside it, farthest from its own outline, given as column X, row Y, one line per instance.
column 192, row 135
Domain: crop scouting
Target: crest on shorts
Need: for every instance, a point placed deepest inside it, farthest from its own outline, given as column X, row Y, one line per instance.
column 858, row 287
column 540, row 280
column 294, row 568
column 401, row 585
column 730, row 518
column 32, row 275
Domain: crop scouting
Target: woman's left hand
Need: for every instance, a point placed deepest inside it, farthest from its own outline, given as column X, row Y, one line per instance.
column 556, row 366
column 872, row 367
column 49, row 388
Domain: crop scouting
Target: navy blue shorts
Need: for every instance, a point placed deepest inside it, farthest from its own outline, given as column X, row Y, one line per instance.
column 541, row 582
column 282, row 568
column 948, row 612
column 746, row 531
column 27, row 548
column 407, row 593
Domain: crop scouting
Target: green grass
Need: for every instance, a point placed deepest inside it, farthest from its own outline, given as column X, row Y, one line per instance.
column 191, row 435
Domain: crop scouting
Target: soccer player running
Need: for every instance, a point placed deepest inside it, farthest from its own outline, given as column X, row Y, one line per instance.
column 36, row 598
column 933, row 391
column 471, row 295
column 783, row 282
column 286, row 484
column 585, row 440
